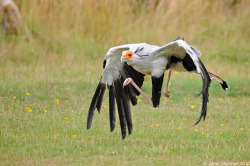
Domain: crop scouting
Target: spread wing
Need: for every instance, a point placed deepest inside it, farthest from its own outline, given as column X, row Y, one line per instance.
column 179, row 50
column 115, row 72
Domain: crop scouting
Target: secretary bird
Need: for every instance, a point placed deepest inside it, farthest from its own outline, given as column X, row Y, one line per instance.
column 125, row 67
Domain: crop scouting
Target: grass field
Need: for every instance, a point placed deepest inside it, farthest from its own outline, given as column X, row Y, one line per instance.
column 47, row 82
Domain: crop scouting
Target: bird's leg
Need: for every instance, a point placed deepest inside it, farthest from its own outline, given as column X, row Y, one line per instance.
column 166, row 91
column 130, row 80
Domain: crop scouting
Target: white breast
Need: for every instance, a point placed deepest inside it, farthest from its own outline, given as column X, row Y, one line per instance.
column 159, row 66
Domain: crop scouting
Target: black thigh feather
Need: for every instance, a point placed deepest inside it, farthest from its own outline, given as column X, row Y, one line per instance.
column 156, row 90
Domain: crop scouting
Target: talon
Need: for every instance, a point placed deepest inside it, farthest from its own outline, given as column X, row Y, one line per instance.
column 167, row 94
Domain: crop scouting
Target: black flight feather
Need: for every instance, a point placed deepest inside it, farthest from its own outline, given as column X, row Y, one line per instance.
column 129, row 71
column 119, row 102
column 99, row 102
column 132, row 94
column 131, row 91
column 94, row 103
column 135, row 75
column 125, row 98
column 104, row 64
column 206, row 82
column 112, row 114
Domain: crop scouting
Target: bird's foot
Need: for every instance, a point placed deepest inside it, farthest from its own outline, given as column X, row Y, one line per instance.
column 130, row 80
column 127, row 81
column 166, row 93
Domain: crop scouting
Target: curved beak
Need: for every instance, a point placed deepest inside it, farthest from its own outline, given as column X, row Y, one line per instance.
column 122, row 59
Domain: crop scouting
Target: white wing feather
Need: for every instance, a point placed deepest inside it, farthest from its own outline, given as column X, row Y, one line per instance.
column 179, row 48
column 113, row 64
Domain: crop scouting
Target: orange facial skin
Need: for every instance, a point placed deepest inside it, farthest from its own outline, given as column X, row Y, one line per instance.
column 127, row 55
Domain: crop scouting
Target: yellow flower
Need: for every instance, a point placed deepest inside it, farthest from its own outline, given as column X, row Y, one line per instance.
column 22, row 136
column 72, row 118
column 241, row 129
column 221, row 133
column 45, row 110
column 192, row 106
column 27, row 108
column 151, row 126
column 202, row 133
column 191, row 129
column 246, row 63
column 196, row 130
column 220, row 99
column 179, row 128
column 66, row 118
column 104, row 106
column 188, row 98
column 74, row 136
column 157, row 124
column 57, row 102
column 248, row 99
column 30, row 110
column 164, row 98
column 191, row 77
column 172, row 101
column 14, row 97
column 237, row 116
column 206, row 136
column 215, row 133
column 175, row 72
column 139, row 100
column 221, row 124
column 27, row 94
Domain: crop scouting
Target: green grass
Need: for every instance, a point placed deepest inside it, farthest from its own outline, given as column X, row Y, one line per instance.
column 48, row 138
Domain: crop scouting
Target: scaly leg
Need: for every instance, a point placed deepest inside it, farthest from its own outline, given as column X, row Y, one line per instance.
column 166, row 91
column 130, row 80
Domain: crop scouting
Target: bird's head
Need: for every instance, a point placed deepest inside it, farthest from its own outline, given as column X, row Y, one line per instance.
column 127, row 56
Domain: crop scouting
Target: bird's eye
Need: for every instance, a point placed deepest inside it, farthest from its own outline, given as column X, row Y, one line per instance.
column 129, row 54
